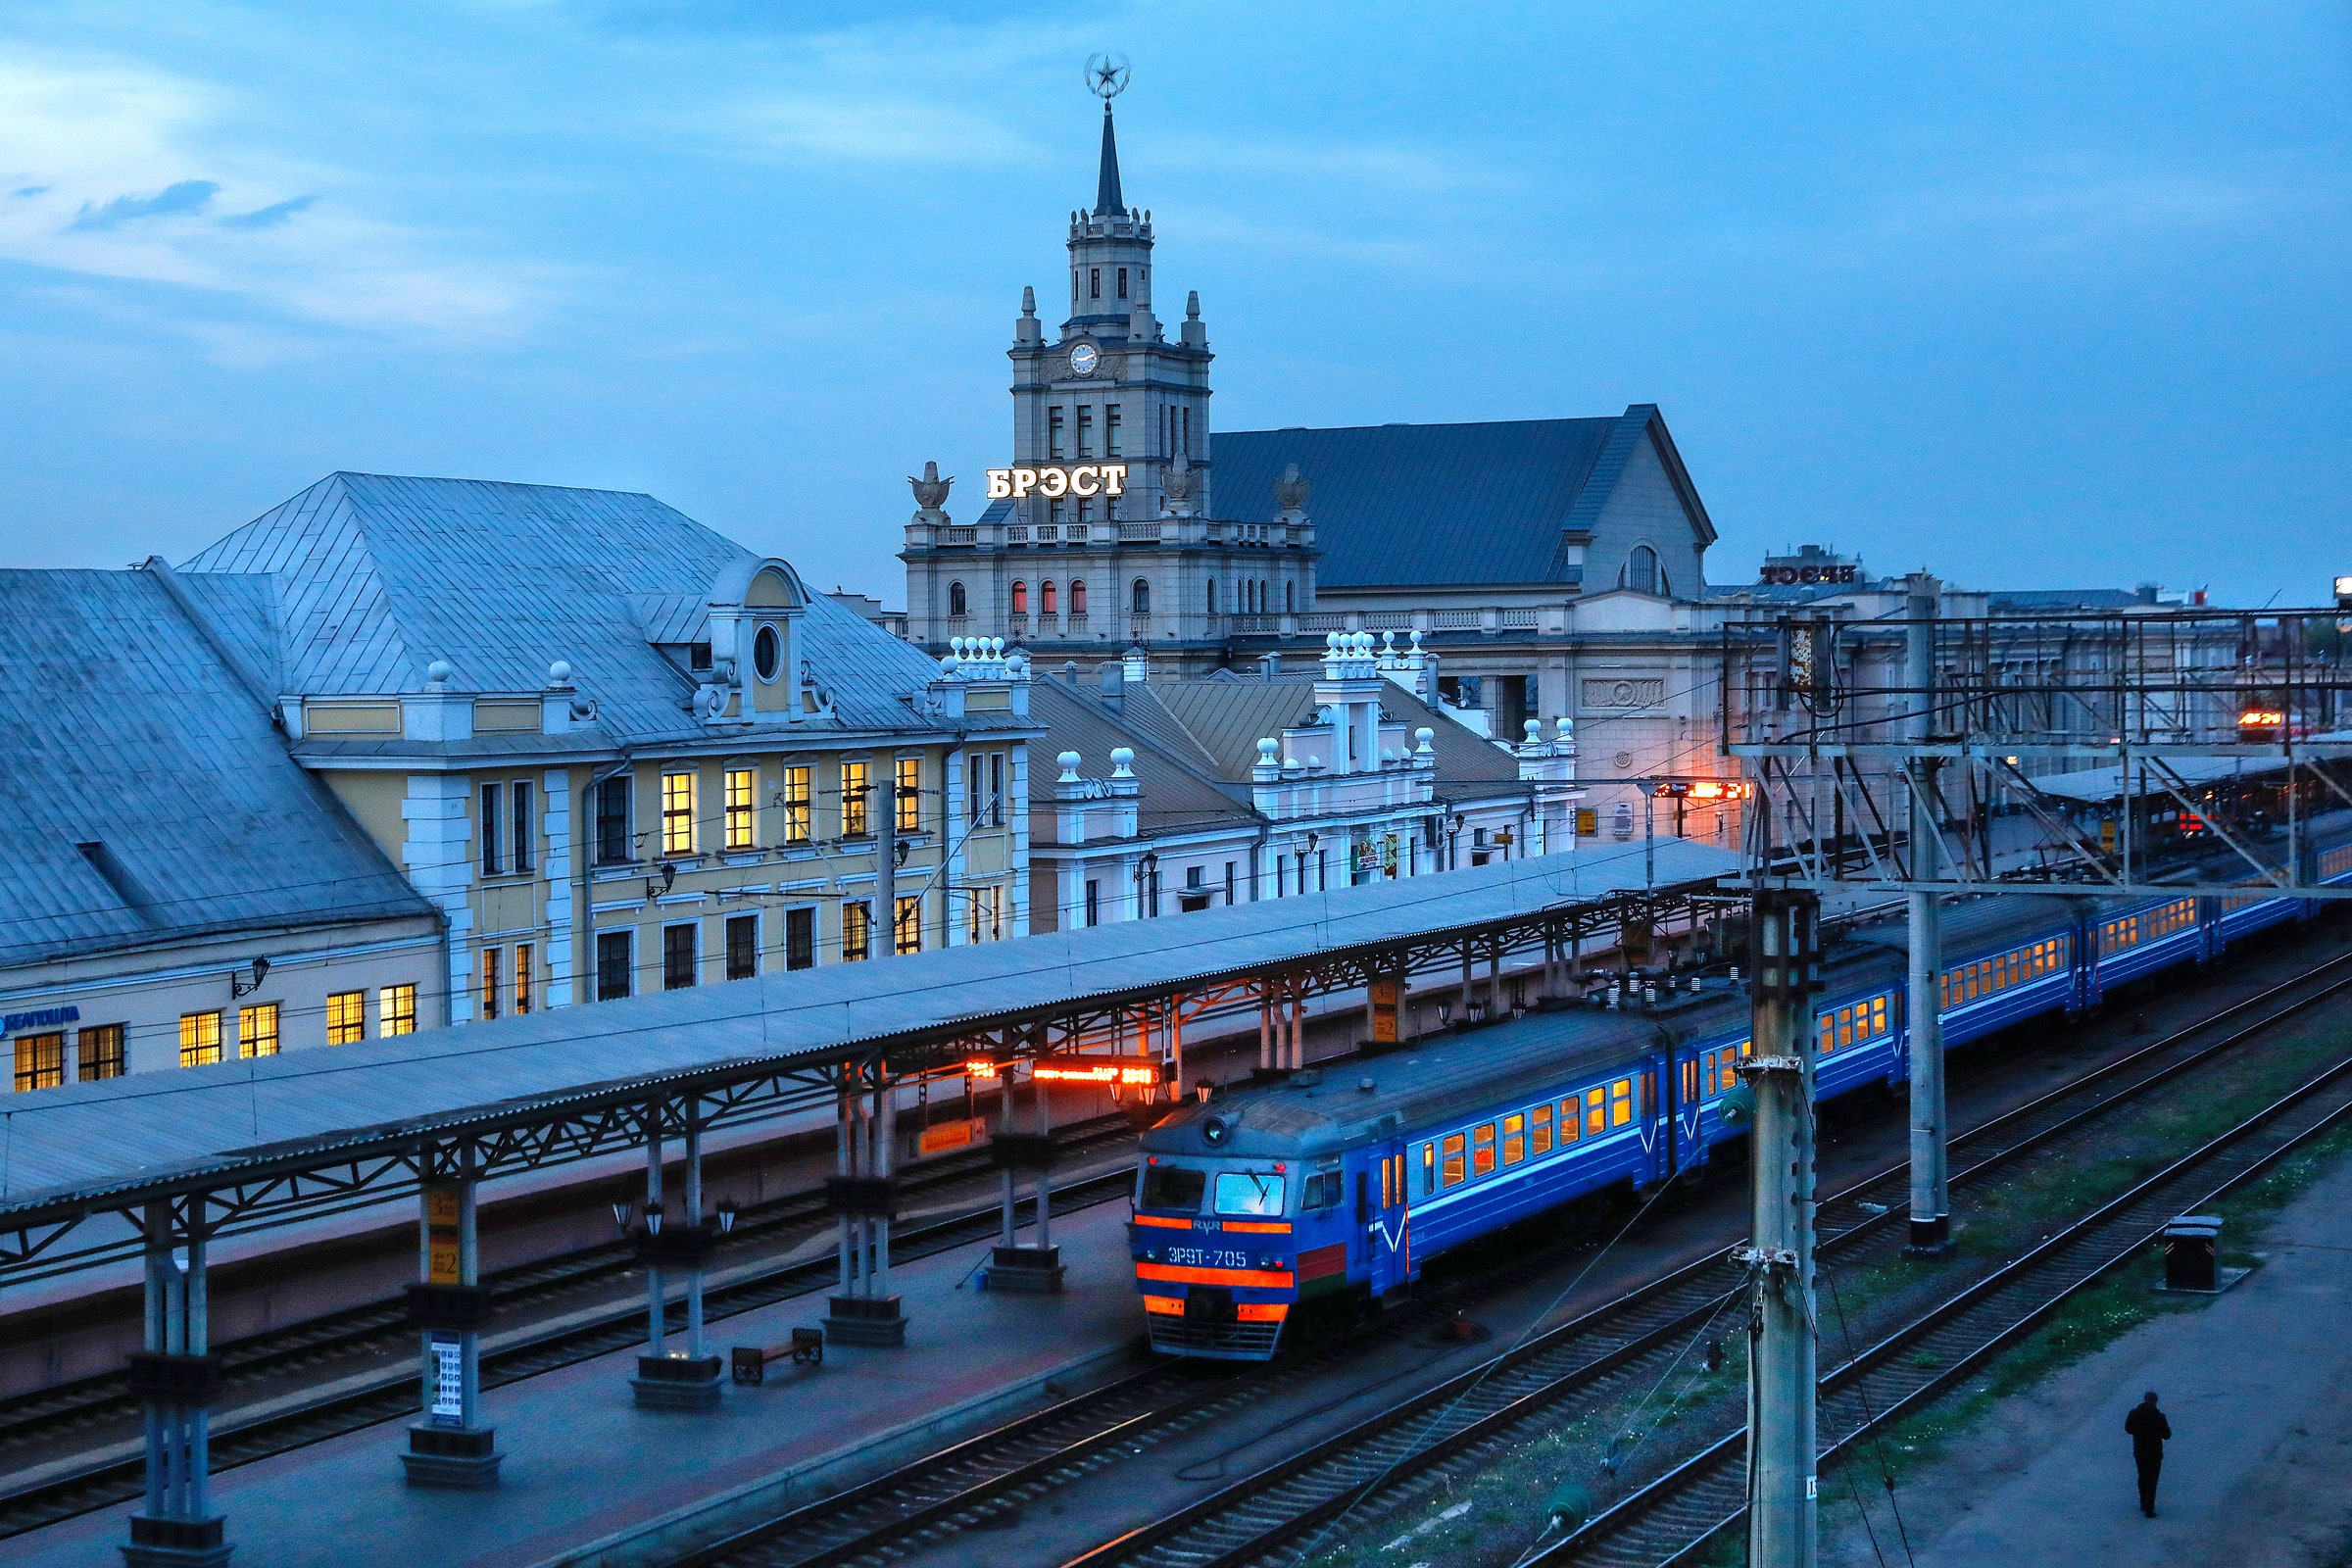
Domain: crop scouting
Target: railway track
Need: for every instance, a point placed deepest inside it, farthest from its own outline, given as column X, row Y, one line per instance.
column 1676, row 1517
column 984, row 1479
column 55, row 1415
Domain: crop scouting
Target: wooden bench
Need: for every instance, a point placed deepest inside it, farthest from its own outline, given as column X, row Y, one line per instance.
column 748, row 1362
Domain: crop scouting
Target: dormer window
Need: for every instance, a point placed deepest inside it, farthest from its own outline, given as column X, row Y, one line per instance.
column 1641, row 570
column 768, row 652
column 697, row 658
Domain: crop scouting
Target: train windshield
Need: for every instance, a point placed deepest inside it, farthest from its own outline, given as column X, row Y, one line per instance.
column 1165, row 1186
column 1246, row 1191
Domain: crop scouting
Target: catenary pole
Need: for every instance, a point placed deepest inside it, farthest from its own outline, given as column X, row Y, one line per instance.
column 1782, row 1519
column 1931, row 1185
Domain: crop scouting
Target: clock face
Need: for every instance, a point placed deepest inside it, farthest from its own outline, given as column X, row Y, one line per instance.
column 1084, row 359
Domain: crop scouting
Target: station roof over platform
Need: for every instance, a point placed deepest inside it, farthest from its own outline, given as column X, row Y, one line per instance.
column 2094, row 786
column 100, row 1146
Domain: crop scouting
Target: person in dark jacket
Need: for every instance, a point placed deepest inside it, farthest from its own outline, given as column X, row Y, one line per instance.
column 2148, row 1430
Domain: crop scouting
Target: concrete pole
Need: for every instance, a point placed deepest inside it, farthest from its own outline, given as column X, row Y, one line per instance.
column 1045, row 1177
column 199, row 1417
column 655, row 1311
column 1265, row 1029
column 1930, row 1175
column 158, row 1343
column 469, row 1275
column 1784, row 1514
column 886, row 1138
column 1176, row 1046
column 841, row 1168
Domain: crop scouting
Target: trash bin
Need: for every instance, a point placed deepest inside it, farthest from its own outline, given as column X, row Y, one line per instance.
column 2193, row 1247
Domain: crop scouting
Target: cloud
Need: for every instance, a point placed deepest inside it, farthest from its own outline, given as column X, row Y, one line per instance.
column 172, row 200
column 269, row 216
column 31, row 190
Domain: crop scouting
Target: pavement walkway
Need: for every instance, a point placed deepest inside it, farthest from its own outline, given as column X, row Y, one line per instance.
column 583, row 1462
column 2258, row 1387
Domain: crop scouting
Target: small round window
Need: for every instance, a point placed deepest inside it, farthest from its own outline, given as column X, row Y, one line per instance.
column 768, row 652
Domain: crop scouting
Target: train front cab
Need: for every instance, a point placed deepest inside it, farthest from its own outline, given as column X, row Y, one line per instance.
column 1230, row 1254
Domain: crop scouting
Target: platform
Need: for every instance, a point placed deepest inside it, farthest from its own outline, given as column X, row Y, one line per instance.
column 2258, row 1387
column 584, row 1464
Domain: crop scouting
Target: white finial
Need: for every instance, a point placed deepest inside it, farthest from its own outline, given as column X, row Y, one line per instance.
column 956, row 649
column 1535, row 730
column 1422, row 738
column 559, row 673
column 1330, row 640
column 1266, row 748
column 1122, row 761
column 439, row 671
column 1564, row 729
column 1069, row 761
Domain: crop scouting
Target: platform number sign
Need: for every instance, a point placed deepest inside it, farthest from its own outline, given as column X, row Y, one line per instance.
column 448, row 1406
column 1383, row 1011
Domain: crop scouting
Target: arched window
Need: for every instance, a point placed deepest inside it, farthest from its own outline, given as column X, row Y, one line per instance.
column 1139, row 598
column 1212, row 596
column 1289, row 597
column 1020, row 599
column 1046, row 597
column 1077, row 596
column 1641, row 570
column 955, row 602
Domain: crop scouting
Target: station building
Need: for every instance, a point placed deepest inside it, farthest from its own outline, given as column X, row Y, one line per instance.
column 462, row 750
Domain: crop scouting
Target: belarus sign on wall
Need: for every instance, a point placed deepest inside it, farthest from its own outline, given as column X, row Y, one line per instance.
column 1058, row 479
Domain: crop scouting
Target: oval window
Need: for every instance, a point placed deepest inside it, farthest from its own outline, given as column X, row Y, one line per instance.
column 768, row 652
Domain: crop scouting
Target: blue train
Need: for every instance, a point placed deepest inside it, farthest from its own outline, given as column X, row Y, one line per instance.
column 1340, row 1185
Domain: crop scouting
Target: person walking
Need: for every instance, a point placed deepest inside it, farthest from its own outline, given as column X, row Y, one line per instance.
column 2148, row 1430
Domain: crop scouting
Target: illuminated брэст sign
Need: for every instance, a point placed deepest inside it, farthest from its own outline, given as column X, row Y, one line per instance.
column 1085, row 479
column 1789, row 576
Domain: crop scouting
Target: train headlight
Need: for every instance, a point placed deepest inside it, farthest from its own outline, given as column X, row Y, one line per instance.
column 1214, row 1131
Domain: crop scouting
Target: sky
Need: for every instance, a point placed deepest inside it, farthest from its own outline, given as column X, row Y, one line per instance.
column 2033, row 296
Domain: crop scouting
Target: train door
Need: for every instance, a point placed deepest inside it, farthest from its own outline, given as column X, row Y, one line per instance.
column 1381, row 1228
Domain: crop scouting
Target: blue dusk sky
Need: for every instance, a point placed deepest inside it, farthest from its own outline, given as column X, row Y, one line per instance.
column 2033, row 295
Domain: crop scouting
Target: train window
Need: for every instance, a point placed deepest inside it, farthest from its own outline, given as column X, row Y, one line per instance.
column 1845, row 1027
column 1829, row 1036
column 1165, row 1186
column 1454, row 1171
column 1248, row 1191
column 1538, row 1128
column 1877, row 1016
column 1482, row 1151
column 1388, row 1188
column 1514, row 1140
column 1323, row 1189
column 1572, row 1122
column 1429, row 1169
column 1621, row 1101
column 1597, row 1110
column 1689, row 1080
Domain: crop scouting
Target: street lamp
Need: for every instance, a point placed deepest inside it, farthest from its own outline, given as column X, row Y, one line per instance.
column 623, row 1210
column 653, row 1219
column 726, row 1216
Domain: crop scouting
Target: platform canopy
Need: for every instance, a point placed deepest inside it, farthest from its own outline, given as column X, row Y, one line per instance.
column 104, row 1146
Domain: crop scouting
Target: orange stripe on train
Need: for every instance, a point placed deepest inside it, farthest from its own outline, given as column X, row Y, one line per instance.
column 1169, row 1273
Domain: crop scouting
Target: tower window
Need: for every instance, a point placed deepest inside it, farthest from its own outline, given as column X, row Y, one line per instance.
column 1212, row 596
column 1045, row 597
column 1094, row 282
column 1077, row 596
column 1139, row 598
column 1122, row 282
column 1020, row 599
column 1185, row 419
column 1053, row 432
column 955, row 600
column 1110, row 430
column 1289, row 597
column 1086, row 431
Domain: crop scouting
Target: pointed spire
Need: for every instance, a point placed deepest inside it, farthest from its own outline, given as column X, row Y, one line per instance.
column 1106, row 184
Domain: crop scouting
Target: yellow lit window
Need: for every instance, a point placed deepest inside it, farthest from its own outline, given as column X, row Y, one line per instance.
column 852, row 801
column 1690, row 1081
column 40, row 1061
column 494, row 966
column 909, row 924
column 856, row 931
column 1514, row 1140
column 257, row 1030
column 1429, row 1169
column 743, row 807
column 1829, row 1036
column 199, row 1038
column 1621, row 1101
column 1877, row 1016
column 1597, row 1110
column 677, row 813
column 796, row 806
column 1538, row 1128
column 1845, row 1027
column 1572, row 1120
column 1456, row 1171
column 910, row 794
column 522, row 977
column 396, row 1010
column 1482, row 1151
column 346, row 1017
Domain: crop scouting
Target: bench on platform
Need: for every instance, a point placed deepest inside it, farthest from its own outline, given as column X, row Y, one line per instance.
column 748, row 1362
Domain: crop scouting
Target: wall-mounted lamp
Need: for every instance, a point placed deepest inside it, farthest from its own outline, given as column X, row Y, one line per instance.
column 655, row 887
column 726, row 1216
column 246, row 988
column 623, row 1211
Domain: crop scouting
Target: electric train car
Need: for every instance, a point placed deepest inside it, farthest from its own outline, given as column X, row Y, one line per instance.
column 1342, row 1183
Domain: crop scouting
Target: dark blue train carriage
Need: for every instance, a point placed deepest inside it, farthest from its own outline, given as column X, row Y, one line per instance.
column 1338, row 1186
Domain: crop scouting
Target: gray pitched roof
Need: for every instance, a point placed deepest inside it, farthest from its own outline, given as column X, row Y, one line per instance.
column 376, row 576
column 1179, row 797
column 1443, row 503
column 124, row 728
